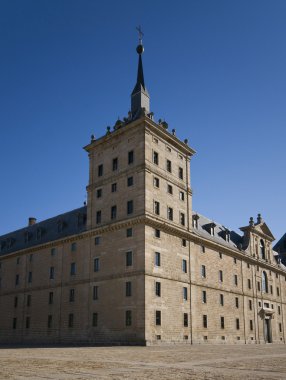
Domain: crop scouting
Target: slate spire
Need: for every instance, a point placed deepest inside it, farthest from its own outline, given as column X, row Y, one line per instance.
column 140, row 96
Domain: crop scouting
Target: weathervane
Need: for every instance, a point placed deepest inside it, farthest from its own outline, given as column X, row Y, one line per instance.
column 141, row 34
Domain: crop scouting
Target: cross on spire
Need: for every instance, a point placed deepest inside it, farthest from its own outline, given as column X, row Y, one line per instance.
column 140, row 34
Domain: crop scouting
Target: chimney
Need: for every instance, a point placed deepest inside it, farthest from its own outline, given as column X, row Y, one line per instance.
column 32, row 221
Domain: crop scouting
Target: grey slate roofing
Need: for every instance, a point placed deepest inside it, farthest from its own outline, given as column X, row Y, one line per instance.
column 280, row 248
column 203, row 230
column 60, row 226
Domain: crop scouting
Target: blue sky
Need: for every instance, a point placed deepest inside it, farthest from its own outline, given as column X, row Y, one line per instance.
column 215, row 71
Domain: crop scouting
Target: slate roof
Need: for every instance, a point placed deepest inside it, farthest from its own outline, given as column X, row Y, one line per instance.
column 60, row 226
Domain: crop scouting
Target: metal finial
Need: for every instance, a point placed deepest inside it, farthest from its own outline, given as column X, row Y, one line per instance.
column 140, row 34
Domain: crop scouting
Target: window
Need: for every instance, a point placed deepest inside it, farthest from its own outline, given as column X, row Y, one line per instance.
column 73, row 247
column 237, row 324
column 130, row 157
column 51, row 298
column 53, row 251
column 203, row 249
column 96, row 264
column 50, row 321
column 113, row 187
column 158, row 318
column 95, row 292
column 30, row 277
column 186, row 320
column 128, row 257
column 31, row 257
column 128, row 318
column 129, row 207
column 204, row 296
column 113, row 212
column 251, row 325
column 157, row 233
column 156, row 182
column 128, row 289
column 234, row 260
column 98, row 217
column 28, row 300
column 185, row 293
column 15, row 302
column 220, row 255
column 220, row 276
column 280, row 327
column 97, row 240
column 170, row 189
column 235, row 280
column 184, row 242
column 258, row 286
column 158, row 289
column 236, row 302
column 99, row 193
column 277, row 291
column 17, row 279
column 28, row 320
column 157, row 259
column 262, row 250
column 170, row 213
column 100, row 170
column 71, row 320
column 182, row 218
column 222, row 322
column 52, row 273
column 264, row 282
column 155, row 158
column 221, row 300
column 181, row 173
column 130, row 181
column 184, row 266
column 203, row 271
column 115, row 164
column 18, row 262
column 271, row 289
column 248, row 265
column 169, row 166
column 250, row 304
column 129, row 232
column 156, row 208
column 181, row 195
column 205, row 321
column 249, row 283
column 14, row 323
column 94, row 319
column 279, row 310
column 71, row 297
column 73, row 269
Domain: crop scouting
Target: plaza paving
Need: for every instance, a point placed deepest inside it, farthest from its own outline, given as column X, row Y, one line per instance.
column 168, row 362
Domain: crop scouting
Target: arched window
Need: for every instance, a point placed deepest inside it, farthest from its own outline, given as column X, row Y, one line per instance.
column 264, row 283
column 262, row 249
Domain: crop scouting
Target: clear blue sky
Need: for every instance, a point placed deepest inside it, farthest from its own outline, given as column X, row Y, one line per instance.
column 215, row 71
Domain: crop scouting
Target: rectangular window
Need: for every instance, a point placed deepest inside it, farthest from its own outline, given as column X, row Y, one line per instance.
column 156, row 208
column 72, row 295
column 113, row 212
column 129, row 258
column 157, row 233
column 236, row 302
column 221, row 299
column 170, row 189
column 155, row 158
column 94, row 319
column 158, row 318
column 97, row 240
column 184, row 242
column 185, row 293
column 181, row 173
column 251, row 324
column 186, row 320
column 98, row 217
column 184, row 266
column 279, row 310
column 203, row 271
column 182, row 218
column 204, row 296
column 169, row 166
column 170, row 213
column 258, row 286
column 156, row 182
column 249, row 283
column 53, row 251
column 280, row 327
column 14, row 323
column 237, row 324
column 158, row 289
column 129, row 232
column 205, row 321
column 129, row 207
column 50, row 321
column 99, row 193
column 222, row 322
column 271, row 289
column 277, row 291
column 203, row 249
column 71, row 320
column 28, row 320
column 157, row 259
column 220, row 276
column 51, row 298
column 52, row 273
column 73, row 247
column 15, row 302
column 130, row 181
column 73, row 269
column 114, row 187
column 234, row 260
column 128, row 289
column 235, row 280
column 100, row 170
column 30, row 277
column 17, row 279
column 96, row 264
column 250, row 304
column 128, row 318
column 28, row 300
column 181, row 195
column 115, row 164
column 31, row 257
column 95, row 293
column 130, row 157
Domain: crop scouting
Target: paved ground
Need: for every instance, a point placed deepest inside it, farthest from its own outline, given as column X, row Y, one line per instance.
column 169, row 362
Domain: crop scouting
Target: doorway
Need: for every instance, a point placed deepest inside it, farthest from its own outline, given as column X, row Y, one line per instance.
column 267, row 330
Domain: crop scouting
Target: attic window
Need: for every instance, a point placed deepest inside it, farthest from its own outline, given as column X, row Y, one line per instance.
column 196, row 221
column 227, row 235
column 212, row 231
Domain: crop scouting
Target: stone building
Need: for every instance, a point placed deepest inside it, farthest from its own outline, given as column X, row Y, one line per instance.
column 136, row 265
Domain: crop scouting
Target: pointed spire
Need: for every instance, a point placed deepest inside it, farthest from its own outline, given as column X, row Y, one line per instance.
column 139, row 97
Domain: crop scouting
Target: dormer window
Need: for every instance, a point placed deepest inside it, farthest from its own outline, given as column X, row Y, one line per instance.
column 227, row 235
column 212, row 231
column 210, row 228
column 196, row 221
